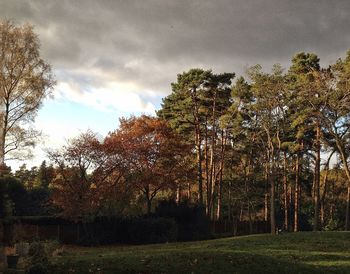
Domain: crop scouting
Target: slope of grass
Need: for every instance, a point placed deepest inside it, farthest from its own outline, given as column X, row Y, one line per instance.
column 307, row 252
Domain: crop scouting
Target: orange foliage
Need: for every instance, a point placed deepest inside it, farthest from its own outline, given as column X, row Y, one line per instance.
column 153, row 151
column 88, row 175
column 143, row 155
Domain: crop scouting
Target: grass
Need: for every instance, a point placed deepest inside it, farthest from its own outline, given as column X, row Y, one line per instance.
column 305, row 252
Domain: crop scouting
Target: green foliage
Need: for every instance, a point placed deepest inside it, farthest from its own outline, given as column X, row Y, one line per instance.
column 38, row 257
column 304, row 62
column 332, row 225
column 19, row 201
column 35, row 177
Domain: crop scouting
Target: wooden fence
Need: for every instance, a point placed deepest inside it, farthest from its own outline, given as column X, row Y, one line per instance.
column 71, row 233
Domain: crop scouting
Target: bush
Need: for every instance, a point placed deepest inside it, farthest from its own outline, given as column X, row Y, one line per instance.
column 37, row 269
column 152, row 230
column 37, row 255
column 22, row 201
column 332, row 225
column 193, row 224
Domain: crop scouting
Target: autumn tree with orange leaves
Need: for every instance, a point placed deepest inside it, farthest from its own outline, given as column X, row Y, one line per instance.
column 89, row 175
column 154, row 153
column 143, row 156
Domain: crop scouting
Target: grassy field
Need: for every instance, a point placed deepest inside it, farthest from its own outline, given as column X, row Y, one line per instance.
column 306, row 252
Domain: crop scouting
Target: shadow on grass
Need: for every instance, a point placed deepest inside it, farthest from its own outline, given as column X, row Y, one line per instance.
column 192, row 262
column 289, row 253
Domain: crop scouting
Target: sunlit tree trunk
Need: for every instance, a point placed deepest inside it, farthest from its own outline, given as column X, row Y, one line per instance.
column 272, row 183
column 221, row 170
column 219, row 205
column 178, row 194
column 266, row 198
column 317, row 178
column 285, row 189
column 206, row 161
column 272, row 197
column 199, row 164
column 297, row 193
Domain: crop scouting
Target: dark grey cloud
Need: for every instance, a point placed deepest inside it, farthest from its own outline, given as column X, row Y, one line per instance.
column 149, row 42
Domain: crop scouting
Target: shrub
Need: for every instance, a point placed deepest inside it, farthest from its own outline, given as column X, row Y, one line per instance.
column 39, row 253
column 152, row 230
column 332, row 225
column 50, row 247
column 193, row 224
column 38, row 258
column 37, row 269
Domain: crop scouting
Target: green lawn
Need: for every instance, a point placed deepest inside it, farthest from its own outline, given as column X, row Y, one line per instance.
column 306, row 252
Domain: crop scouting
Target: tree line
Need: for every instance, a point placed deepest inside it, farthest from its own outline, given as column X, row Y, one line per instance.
column 270, row 132
column 271, row 146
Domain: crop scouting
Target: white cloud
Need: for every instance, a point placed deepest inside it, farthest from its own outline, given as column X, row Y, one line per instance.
column 112, row 96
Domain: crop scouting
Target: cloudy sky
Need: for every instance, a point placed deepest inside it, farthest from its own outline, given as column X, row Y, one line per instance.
column 115, row 58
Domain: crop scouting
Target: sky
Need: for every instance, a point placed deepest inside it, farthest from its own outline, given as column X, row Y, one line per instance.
column 117, row 58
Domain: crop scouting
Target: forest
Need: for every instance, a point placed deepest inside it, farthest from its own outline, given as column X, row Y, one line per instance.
column 270, row 146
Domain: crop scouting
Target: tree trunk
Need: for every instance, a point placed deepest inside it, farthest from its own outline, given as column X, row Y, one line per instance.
column 296, row 193
column 266, row 207
column 189, row 191
column 266, row 199
column 325, row 189
column 149, row 206
column 210, row 183
column 317, row 178
column 206, row 161
column 347, row 218
column 2, row 153
column 199, row 166
column 221, row 170
column 3, row 126
column 250, row 218
column 4, row 116
column 213, row 193
column 212, row 179
column 219, row 205
column 148, row 199
column 178, row 194
column 272, row 194
column 324, row 194
column 229, row 202
column 285, row 189
column 347, row 172
column 272, row 207
column 241, row 213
